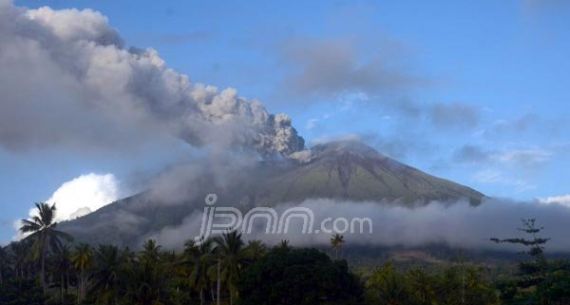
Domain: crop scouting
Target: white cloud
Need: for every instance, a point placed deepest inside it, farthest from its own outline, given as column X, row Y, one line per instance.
column 312, row 123
column 492, row 176
column 524, row 156
column 79, row 197
column 455, row 224
column 562, row 200
column 84, row 194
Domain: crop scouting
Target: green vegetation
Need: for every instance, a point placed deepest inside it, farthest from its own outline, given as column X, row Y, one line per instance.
column 298, row 277
column 44, row 269
column 337, row 241
column 538, row 280
column 454, row 285
column 44, row 235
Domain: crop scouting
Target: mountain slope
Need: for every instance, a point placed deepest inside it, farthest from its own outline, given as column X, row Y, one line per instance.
column 339, row 170
column 353, row 171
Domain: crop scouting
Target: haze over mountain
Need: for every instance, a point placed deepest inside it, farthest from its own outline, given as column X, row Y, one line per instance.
column 344, row 170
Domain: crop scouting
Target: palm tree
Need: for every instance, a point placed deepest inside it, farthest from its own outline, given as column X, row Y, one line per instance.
column 148, row 282
column 231, row 257
column 337, row 241
column 201, row 257
column 44, row 235
column 20, row 255
column 255, row 250
column 128, row 257
column 284, row 245
column 82, row 260
column 150, row 253
column 62, row 266
column 109, row 266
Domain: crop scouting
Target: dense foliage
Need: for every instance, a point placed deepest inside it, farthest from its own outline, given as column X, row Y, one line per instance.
column 455, row 285
column 299, row 277
column 45, row 268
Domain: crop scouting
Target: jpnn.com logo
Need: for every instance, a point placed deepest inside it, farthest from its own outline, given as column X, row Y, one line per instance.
column 220, row 219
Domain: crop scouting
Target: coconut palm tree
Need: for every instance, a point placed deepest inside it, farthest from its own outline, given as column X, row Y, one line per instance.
column 44, row 235
column 337, row 241
column 148, row 278
column 108, row 268
column 20, row 255
column 201, row 258
column 255, row 250
column 284, row 245
column 62, row 265
column 231, row 258
column 82, row 260
column 150, row 253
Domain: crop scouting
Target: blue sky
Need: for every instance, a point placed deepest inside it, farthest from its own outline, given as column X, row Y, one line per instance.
column 473, row 91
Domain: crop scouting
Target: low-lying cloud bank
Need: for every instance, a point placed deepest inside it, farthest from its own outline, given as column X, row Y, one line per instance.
column 68, row 80
column 562, row 199
column 454, row 224
column 457, row 225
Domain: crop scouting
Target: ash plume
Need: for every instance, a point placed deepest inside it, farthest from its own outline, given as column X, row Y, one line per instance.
column 68, row 80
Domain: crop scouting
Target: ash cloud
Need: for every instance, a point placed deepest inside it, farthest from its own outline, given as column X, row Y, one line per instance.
column 334, row 66
column 381, row 72
column 442, row 116
column 471, row 154
column 188, row 182
column 68, row 80
column 520, row 157
column 454, row 115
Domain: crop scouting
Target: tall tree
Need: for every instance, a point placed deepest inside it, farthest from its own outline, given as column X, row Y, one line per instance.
column 533, row 270
column 107, row 271
column 44, row 235
column 149, row 279
column 231, row 257
column 255, row 250
column 19, row 256
column 337, row 241
column 201, row 258
column 284, row 245
column 62, row 266
column 82, row 260
column 150, row 253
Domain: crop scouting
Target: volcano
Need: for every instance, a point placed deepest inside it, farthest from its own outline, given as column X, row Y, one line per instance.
column 344, row 170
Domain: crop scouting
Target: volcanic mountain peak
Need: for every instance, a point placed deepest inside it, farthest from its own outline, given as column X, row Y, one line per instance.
column 352, row 170
column 344, row 170
column 336, row 149
column 353, row 147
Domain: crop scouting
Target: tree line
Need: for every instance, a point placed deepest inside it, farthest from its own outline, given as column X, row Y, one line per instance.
column 46, row 267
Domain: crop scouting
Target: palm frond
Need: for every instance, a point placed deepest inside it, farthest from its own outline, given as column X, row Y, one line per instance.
column 29, row 226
